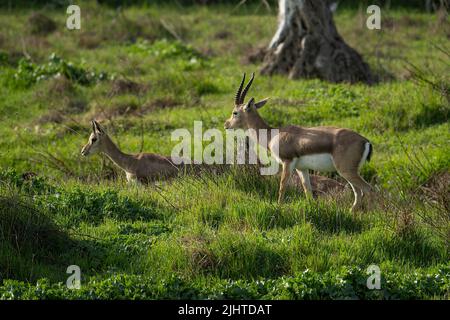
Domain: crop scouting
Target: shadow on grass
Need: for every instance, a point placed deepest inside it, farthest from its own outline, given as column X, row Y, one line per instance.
column 415, row 247
column 430, row 115
column 250, row 260
column 34, row 247
column 249, row 179
column 331, row 219
column 31, row 242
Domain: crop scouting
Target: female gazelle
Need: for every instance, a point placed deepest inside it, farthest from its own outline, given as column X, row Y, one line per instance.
column 138, row 167
column 326, row 149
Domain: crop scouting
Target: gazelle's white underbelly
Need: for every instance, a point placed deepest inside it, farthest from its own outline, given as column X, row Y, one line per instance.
column 318, row 162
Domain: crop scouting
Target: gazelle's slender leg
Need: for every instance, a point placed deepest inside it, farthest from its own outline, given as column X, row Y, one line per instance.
column 285, row 174
column 358, row 197
column 366, row 190
column 359, row 187
column 347, row 164
column 306, row 183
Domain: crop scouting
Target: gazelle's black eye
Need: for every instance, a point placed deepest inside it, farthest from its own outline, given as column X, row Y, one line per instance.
column 94, row 139
column 235, row 114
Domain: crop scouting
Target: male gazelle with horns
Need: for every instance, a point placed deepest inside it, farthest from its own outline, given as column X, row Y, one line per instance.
column 327, row 149
column 138, row 167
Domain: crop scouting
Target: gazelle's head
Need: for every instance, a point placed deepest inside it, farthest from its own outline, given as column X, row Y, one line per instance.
column 95, row 140
column 244, row 113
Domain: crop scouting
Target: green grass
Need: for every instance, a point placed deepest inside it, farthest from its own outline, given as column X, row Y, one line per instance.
column 219, row 236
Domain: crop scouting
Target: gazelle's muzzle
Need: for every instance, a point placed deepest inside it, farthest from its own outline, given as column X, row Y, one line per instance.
column 85, row 151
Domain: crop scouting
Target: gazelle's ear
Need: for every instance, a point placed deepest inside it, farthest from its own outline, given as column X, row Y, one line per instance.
column 261, row 103
column 249, row 104
column 97, row 127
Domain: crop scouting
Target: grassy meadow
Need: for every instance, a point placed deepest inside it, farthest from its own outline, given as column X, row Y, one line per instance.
column 146, row 71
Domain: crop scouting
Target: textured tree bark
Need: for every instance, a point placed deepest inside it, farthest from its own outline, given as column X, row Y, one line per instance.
column 307, row 45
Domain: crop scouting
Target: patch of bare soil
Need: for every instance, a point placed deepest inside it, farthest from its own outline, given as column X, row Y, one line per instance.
column 223, row 34
column 64, row 101
column 255, row 55
column 89, row 40
column 388, row 23
column 320, row 185
column 402, row 22
column 408, row 21
column 60, row 113
column 116, row 110
column 54, row 116
column 126, row 86
column 131, row 108
column 206, row 52
column 161, row 103
column 74, row 105
column 40, row 24
column 36, row 46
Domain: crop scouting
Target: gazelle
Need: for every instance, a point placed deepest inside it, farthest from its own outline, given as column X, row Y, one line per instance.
column 138, row 167
column 326, row 149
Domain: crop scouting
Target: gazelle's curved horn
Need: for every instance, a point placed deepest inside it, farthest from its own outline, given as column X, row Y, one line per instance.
column 237, row 98
column 244, row 93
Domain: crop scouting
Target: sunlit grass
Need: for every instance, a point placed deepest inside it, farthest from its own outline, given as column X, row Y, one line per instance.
column 211, row 230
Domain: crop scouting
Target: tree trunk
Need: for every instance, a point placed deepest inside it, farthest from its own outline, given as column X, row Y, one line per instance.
column 307, row 45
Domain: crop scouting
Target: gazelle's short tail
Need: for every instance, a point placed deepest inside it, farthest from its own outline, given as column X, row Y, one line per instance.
column 369, row 154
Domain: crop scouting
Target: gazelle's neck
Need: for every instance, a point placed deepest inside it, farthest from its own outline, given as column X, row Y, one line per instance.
column 259, row 125
column 256, row 122
column 122, row 160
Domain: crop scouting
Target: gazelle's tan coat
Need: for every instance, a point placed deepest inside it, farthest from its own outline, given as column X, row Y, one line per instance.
column 303, row 149
column 138, row 167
